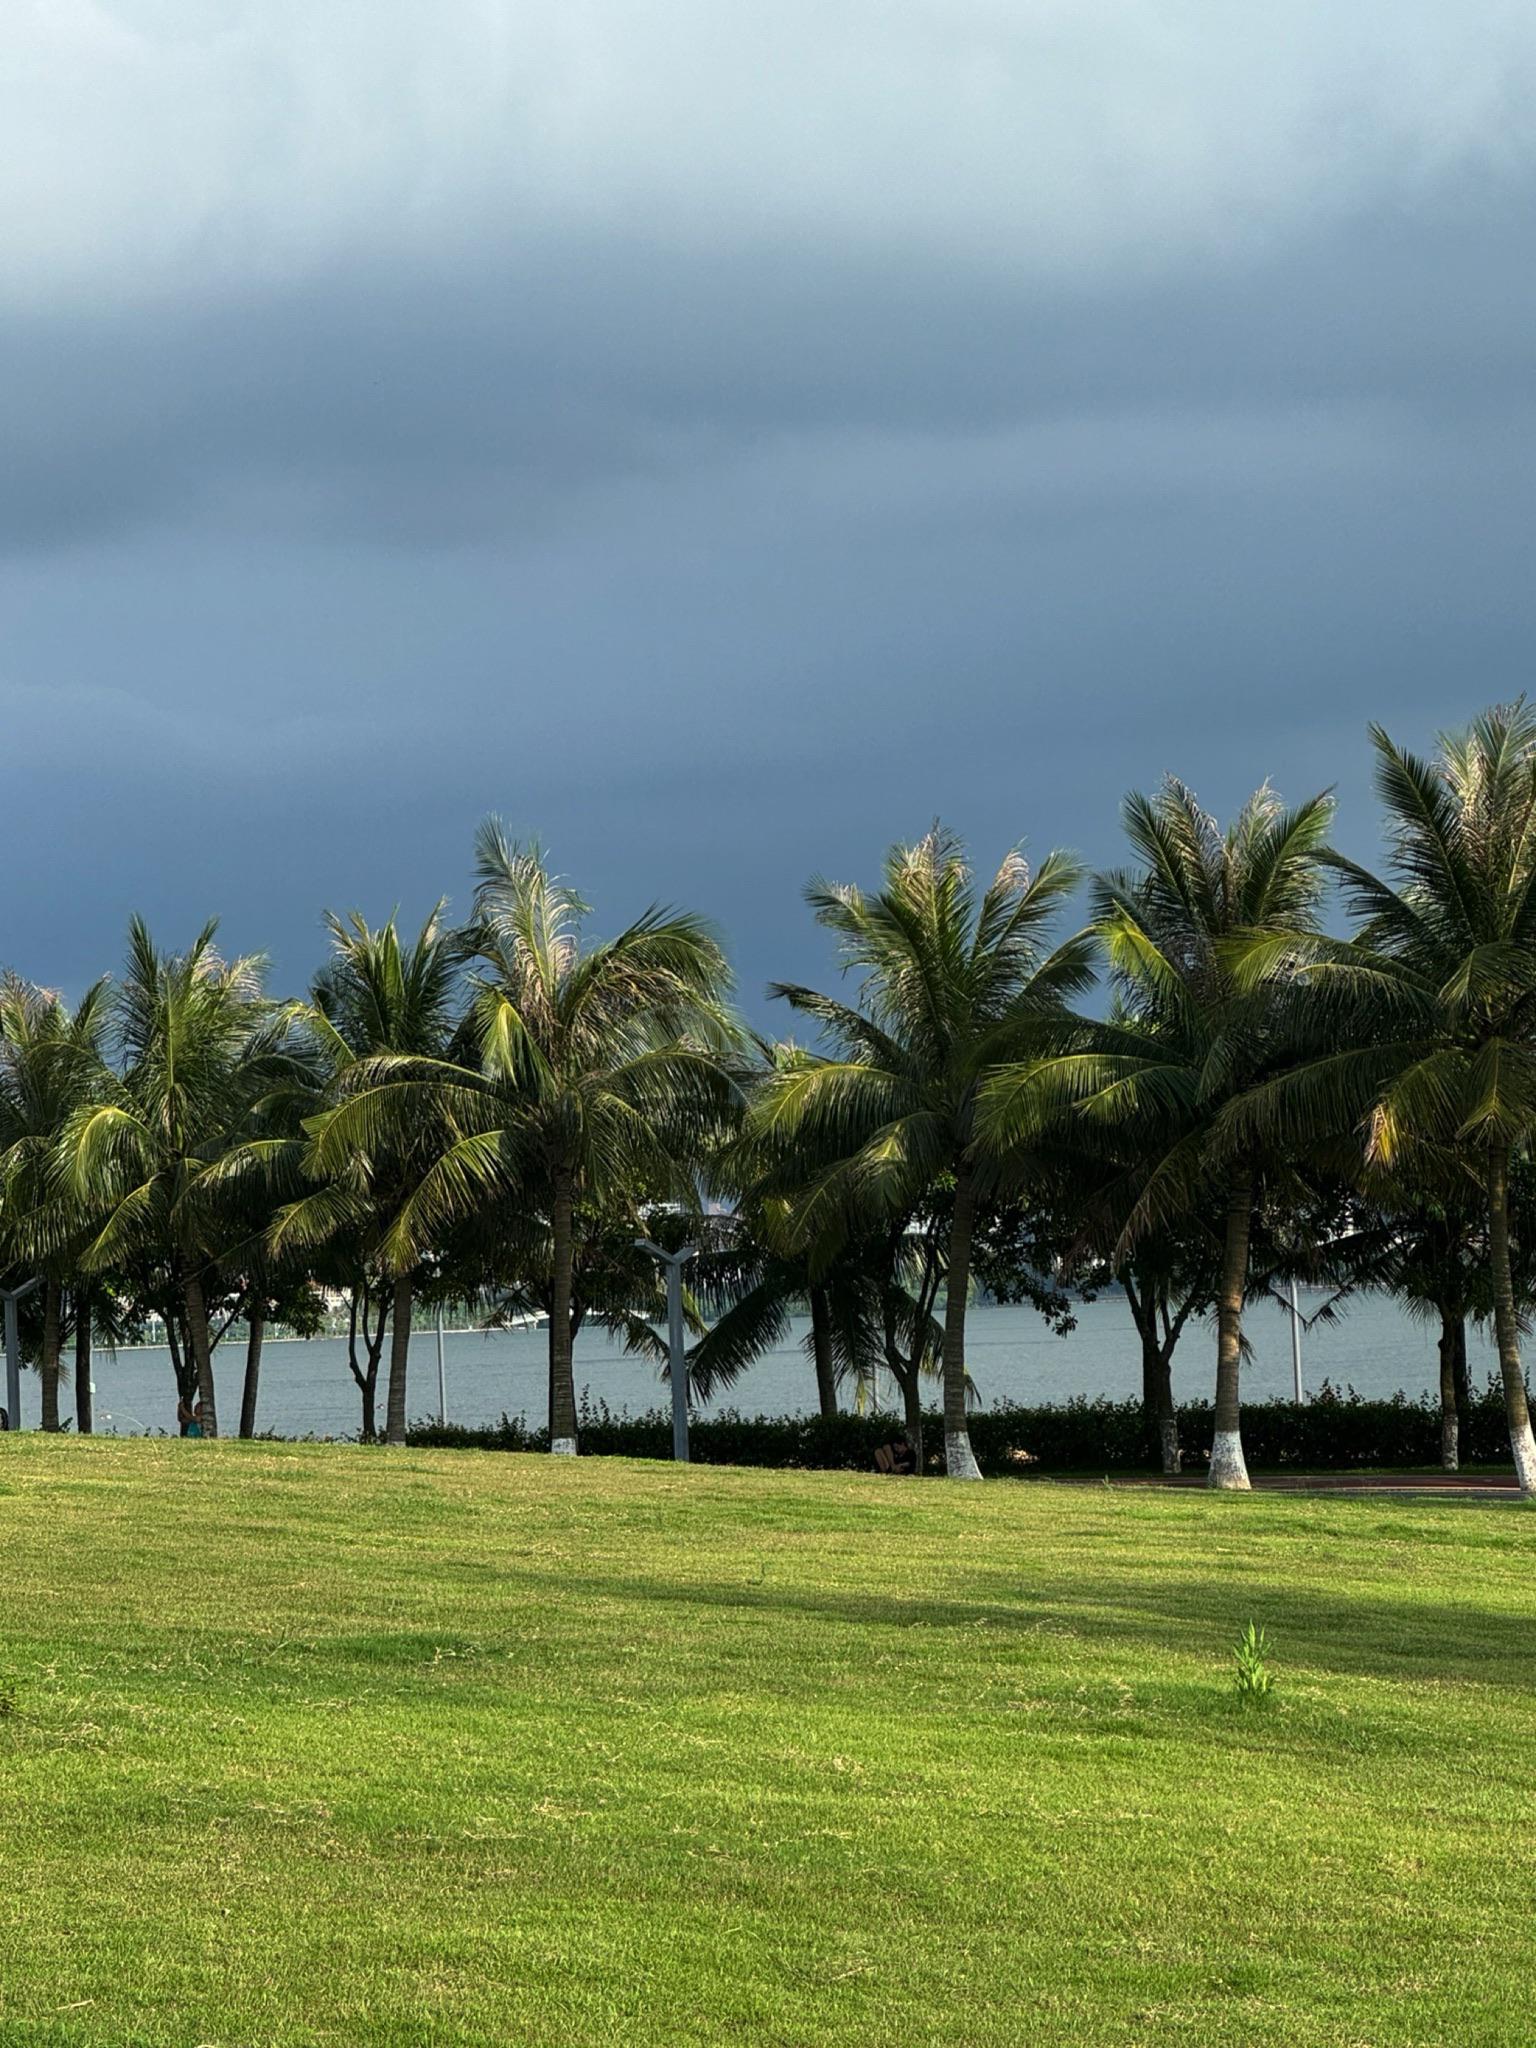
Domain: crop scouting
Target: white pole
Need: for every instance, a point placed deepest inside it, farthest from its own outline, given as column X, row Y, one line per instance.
column 442, row 1381
column 1300, row 1391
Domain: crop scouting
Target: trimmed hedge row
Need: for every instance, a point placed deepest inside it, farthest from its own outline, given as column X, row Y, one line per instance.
column 1331, row 1432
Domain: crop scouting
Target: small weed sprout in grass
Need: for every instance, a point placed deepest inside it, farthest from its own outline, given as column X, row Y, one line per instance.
column 1252, row 1676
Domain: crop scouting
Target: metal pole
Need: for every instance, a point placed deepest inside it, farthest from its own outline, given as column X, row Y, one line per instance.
column 1300, row 1391
column 677, row 1361
column 12, row 1365
column 677, row 1357
column 442, row 1383
column 12, row 1296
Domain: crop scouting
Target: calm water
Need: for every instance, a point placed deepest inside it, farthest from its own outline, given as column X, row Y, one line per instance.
column 306, row 1389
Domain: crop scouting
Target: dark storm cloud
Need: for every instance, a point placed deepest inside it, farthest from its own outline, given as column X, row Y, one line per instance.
column 455, row 403
column 722, row 533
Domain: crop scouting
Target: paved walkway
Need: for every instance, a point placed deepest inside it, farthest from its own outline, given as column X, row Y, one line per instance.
column 1453, row 1485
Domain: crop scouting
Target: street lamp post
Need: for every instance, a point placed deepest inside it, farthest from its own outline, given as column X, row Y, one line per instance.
column 674, row 1263
column 442, row 1377
column 11, row 1296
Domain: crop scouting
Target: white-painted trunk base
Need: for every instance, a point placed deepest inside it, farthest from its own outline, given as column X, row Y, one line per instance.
column 562, row 1447
column 1450, row 1442
column 1172, row 1460
column 959, row 1458
column 1523, row 1444
column 1229, row 1468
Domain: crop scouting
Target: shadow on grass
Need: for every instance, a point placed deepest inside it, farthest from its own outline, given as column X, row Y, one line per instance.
column 1358, row 1635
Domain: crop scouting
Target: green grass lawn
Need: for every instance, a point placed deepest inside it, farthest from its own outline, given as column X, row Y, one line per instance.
column 306, row 1744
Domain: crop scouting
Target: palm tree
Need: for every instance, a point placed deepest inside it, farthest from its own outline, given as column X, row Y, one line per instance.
column 199, row 1045
column 1194, row 1025
column 1426, row 1020
column 376, row 997
column 765, row 1283
column 951, row 984
column 769, row 1263
column 51, row 1061
column 586, row 1072
column 760, row 1280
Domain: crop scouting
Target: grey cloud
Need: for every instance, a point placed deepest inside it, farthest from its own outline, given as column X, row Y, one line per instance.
column 720, row 457
column 162, row 141
column 458, row 403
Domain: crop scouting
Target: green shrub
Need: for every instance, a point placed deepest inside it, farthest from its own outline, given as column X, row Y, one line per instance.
column 1332, row 1432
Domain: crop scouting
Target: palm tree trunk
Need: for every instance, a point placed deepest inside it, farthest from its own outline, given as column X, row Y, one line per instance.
column 912, row 1403
column 562, row 1384
column 399, row 1359
column 84, row 1418
column 202, row 1354
column 1450, row 1422
column 1229, row 1470
column 821, row 1344
column 248, row 1391
column 1516, row 1409
column 53, row 1342
column 959, row 1458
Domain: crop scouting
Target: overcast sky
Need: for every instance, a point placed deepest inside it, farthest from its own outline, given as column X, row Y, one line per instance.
column 720, row 436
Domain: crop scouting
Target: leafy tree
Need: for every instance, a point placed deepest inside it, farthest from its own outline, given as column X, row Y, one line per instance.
column 1022, row 1249
column 951, row 983
column 272, row 1291
column 1168, row 1277
column 1429, row 1252
column 1417, row 1238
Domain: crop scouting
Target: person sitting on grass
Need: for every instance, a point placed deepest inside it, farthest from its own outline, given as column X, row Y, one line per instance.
column 896, row 1457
